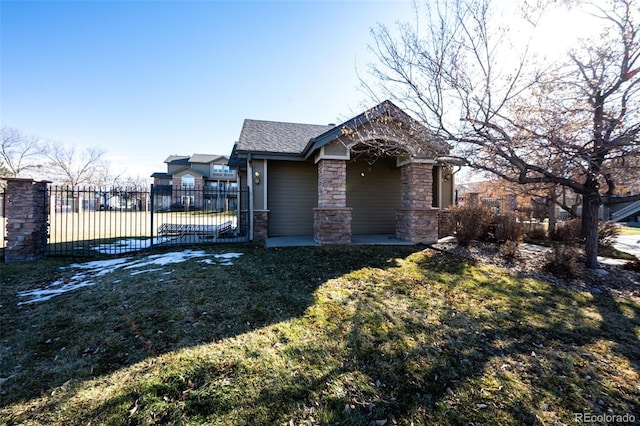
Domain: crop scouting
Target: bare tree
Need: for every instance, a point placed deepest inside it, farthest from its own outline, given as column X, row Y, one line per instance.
column 19, row 153
column 508, row 112
column 71, row 167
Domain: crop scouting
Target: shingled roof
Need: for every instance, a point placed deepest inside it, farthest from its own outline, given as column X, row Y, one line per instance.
column 182, row 159
column 277, row 137
column 299, row 142
column 206, row 158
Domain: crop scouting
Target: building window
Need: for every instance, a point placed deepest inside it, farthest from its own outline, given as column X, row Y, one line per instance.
column 188, row 181
column 222, row 169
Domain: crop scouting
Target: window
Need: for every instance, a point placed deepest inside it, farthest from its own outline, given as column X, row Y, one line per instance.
column 222, row 169
column 188, row 181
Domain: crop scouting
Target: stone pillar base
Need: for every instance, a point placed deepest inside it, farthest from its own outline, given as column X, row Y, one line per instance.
column 417, row 225
column 260, row 225
column 27, row 219
column 445, row 226
column 332, row 225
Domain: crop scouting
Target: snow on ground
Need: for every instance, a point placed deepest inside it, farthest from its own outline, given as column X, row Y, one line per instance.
column 628, row 244
column 129, row 245
column 226, row 256
column 89, row 270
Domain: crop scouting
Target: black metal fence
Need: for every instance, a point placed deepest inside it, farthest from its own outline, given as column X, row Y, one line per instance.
column 91, row 220
column 3, row 219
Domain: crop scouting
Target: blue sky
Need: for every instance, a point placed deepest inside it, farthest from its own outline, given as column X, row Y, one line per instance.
column 147, row 79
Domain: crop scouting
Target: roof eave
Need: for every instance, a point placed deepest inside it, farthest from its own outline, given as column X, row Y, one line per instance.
column 269, row 155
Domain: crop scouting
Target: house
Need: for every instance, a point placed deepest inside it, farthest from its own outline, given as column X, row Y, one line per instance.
column 503, row 196
column 199, row 181
column 377, row 173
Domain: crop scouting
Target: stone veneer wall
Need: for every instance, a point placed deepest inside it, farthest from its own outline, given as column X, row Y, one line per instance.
column 27, row 211
column 472, row 198
column 332, row 226
column 416, row 183
column 332, row 217
column 445, row 226
column 260, row 225
column 417, row 225
column 332, row 183
column 417, row 221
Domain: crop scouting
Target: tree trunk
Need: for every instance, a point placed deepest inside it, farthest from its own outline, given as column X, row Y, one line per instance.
column 552, row 210
column 590, row 207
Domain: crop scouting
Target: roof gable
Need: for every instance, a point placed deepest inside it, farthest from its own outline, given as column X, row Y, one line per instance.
column 188, row 171
column 386, row 116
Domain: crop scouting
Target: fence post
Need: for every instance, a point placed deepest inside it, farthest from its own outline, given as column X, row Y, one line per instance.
column 151, row 207
column 27, row 219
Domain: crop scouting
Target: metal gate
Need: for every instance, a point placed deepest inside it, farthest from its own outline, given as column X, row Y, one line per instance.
column 3, row 220
column 91, row 220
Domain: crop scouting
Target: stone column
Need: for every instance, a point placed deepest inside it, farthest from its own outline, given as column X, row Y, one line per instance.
column 417, row 221
column 260, row 225
column 472, row 198
column 332, row 217
column 27, row 213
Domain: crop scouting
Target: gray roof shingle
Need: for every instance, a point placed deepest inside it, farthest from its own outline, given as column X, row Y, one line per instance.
column 274, row 136
column 206, row 158
column 177, row 158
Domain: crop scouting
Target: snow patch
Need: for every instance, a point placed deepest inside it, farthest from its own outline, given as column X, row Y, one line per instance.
column 99, row 268
column 145, row 271
column 129, row 245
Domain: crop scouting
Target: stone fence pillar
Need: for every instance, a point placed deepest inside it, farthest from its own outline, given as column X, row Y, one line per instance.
column 27, row 211
column 472, row 198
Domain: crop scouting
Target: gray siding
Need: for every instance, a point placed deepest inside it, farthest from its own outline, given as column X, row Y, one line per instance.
column 374, row 197
column 447, row 193
column 201, row 168
column 292, row 195
column 335, row 148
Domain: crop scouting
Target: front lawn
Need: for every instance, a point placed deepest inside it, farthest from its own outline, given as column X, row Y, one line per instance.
column 628, row 230
column 317, row 335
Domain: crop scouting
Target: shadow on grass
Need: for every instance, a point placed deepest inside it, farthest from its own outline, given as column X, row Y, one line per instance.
column 124, row 319
column 398, row 336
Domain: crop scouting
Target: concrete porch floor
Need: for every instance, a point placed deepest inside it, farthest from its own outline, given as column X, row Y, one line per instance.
column 307, row 240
